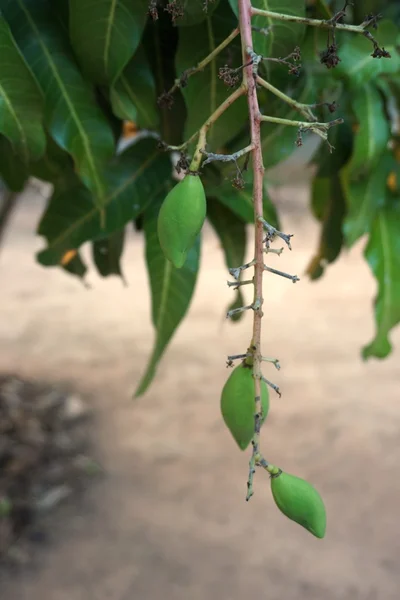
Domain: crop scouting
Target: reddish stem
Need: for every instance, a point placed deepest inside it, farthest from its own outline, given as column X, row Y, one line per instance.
column 258, row 176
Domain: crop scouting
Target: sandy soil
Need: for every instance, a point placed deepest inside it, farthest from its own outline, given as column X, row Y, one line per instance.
column 169, row 519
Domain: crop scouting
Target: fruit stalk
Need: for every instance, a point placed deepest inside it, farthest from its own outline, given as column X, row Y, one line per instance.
column 249, row 83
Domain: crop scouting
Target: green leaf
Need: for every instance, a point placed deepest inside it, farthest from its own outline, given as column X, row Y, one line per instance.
column 133, row 96
column 283, row 35
column 331, row 237
column 76, row 266
column 71, row 115
column 240, row 201
column 13, row 171
column 54, row 165
column 134, row 179
column 107, row 254
column 171, row 292
column 364, row 197
column 21, row 103
column 231, row 231
column 383, row 256
column 195, row 11
column 205, row 91
column 373, row 134
column 105, row 35
column 357, row 65
column 238, row 302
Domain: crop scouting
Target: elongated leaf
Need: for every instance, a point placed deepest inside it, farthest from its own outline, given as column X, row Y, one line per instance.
column 282, row 36
column 160, row 40
column 357, row 65
column 75, row 266
column 373, row 130
column 54, row 165
column 13, row 170
column 21, row 102
column 231, row 231
column 240, row 201
column 171, row 293
column 72, row 117
column 133, row 96
column 194, row 11
column 134, row 180
column 331, row 237
column 364, row 197
column 107, row 254
column 105, row 35
column 383, row 256
column 205, row 91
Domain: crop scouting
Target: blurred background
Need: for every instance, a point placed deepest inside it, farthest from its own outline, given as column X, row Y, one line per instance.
column 168, row 518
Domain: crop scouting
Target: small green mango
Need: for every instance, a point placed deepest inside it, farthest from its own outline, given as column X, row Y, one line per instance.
column 181, row 218
column 238, row 406
column 299, row 501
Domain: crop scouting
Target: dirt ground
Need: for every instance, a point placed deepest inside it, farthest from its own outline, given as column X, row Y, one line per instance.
column 168, row 520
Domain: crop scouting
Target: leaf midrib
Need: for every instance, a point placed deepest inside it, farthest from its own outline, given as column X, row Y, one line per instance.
column 14, row 115
column 107, row 43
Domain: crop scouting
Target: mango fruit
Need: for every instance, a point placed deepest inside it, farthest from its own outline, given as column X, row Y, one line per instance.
column 299, row 501
column 238, row 404
column 181, row 218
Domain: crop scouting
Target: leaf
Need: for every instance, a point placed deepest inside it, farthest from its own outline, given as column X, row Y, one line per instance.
column 21, row 103
column 373, row 133
column 231, row 231
column 107, row 254
column 283, row 36
column 133, row 96
column 205, row 91
column 75, row 266
column 357, row 65
column 331, row 237
column 105, row 35
column 240, row 202
column 364, row 198
column 171, row 292
column 71, row 115
column 195, row 11
column 134, row 179
column 13, row 171
column 53, row 165
column 383, row 255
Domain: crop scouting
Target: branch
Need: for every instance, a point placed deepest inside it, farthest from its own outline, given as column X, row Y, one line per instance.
column 304, row 109
column 258, row 175
column 182, row 80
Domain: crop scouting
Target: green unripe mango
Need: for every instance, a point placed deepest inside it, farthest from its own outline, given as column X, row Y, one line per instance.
column 181, row 218
column 299, row 501
column 238, row 404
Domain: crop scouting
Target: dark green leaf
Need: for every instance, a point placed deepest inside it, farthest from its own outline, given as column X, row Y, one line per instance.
column 133, row 96
column 75, row 266
column 357, row 65
column 13, row 171
column 205, row 91
column 283, row 35
column 240, row 202
column 331, row 237
column 364, row 197
column 171, row 292
column 105, row 35
column 383, row 256
column 72, row 117
column 20, row 100
column 107, row 254
column 195, row 11
column 160, row 42
column 373, row 130
column 231, row 231
column 53, row 165
column 134, row 179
